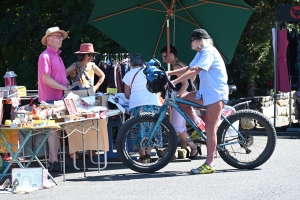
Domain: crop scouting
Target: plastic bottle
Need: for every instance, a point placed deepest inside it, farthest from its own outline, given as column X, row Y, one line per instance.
column 201, row 125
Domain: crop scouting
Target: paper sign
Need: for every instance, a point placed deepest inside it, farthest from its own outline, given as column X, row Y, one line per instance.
column 28, row 177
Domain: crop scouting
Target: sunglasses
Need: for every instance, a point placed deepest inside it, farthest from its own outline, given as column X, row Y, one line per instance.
column 193, row 39
column 57, row 36
column 91, row 55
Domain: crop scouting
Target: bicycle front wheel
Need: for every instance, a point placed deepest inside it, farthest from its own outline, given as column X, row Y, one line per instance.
column 260, row 141
column 162, row 146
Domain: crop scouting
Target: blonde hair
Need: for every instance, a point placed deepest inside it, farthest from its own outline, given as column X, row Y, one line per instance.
column 203, row 42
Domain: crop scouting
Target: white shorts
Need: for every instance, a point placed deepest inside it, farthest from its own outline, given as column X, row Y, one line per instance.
column 178, row 122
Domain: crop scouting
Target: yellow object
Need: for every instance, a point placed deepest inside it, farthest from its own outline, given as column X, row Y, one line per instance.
column 7, row 122
column 22, row 92
column 47, row 122
column 111, row 90
column 12, row 138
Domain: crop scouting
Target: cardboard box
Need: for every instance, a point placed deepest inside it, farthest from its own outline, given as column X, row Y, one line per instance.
column 82, row 93
column 6, row 91
column 102, row 100
column 22, row 92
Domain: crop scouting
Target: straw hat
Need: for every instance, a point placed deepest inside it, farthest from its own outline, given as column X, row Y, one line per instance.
column 53, row 30
column 86, row 48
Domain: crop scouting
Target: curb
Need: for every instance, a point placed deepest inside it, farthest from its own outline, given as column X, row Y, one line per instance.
column 288, row 135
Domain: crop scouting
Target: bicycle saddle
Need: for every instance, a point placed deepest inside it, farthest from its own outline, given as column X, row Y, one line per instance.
column 232, row 88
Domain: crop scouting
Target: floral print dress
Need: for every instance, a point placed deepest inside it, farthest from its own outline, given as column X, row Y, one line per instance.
column 83, row 77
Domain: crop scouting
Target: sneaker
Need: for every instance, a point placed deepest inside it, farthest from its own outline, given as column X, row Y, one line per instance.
column 54, row 167
column 203, row 169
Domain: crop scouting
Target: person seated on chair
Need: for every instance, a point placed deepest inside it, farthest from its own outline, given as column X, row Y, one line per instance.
column 82, row 72
column 182, row 87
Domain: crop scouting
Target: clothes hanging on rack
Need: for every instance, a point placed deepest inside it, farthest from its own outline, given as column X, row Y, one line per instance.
column 114, row 66
column 292, row 57
column 282, row 77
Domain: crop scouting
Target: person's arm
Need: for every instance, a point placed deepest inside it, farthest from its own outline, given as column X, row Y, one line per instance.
column 184, row 83
column 52, row 83
column 192, row 72
column 70, row 70
column 101, row 76
column 178, row 72
column 183, row 87
column 127, row 91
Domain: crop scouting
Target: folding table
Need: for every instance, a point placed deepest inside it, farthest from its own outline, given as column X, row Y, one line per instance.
column 27, row 132
column 84, row 134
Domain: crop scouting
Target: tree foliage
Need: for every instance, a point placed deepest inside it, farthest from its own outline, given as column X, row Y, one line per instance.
column 24, row 23
column 254, row 56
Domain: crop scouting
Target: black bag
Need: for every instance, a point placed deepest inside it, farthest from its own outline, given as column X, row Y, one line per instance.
column 156, row 77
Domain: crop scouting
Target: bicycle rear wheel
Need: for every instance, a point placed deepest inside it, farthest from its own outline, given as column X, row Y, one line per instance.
column 260, row 141
column 161, row 153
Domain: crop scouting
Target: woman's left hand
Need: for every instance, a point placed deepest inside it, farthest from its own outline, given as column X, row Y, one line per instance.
column 95, row 88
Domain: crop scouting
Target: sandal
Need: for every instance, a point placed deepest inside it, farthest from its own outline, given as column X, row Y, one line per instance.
column 144, row 159
column 198, row 149
column 203, row 169
column 72, row 156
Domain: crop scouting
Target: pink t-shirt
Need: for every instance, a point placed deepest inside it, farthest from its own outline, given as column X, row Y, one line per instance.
column 51, row 63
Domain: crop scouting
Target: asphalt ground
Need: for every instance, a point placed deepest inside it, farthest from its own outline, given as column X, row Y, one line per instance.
column 278, row 178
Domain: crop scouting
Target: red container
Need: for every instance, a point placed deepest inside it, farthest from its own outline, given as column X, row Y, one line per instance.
column 7, row 81
column 14, row 80
column 10, row 78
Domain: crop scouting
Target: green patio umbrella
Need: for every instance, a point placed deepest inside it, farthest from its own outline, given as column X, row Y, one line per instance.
column 140, row 26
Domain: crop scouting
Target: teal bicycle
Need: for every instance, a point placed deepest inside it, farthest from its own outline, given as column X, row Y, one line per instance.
column 245, row 139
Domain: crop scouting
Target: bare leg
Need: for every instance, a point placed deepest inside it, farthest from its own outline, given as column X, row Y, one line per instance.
column 213, row 112
column 188, row 109
column 183, row 137
column 53, row 142
column 141, row 152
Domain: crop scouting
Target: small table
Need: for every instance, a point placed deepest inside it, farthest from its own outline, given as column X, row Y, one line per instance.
column 27, row 132
column 87, row 128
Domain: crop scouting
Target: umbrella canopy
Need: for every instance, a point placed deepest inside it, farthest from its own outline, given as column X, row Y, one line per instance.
column 140, row 26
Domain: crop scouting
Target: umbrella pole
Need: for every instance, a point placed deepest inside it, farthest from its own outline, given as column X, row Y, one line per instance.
column 168, row 44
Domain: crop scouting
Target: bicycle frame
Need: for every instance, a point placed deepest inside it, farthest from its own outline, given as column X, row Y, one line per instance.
column 172, row 101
